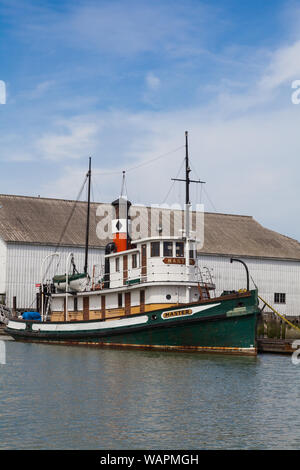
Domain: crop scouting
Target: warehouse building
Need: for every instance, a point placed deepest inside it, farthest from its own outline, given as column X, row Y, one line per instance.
column 32, row 229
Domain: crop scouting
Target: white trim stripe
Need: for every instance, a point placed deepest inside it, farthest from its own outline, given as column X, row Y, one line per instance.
column 89, row 326
column 16, row 325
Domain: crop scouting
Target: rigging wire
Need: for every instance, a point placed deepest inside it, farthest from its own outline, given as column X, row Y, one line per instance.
column 94, row 201
column 203, row 189
column 141, row 164
column 66, row 226
column 63, row 233
column 206, row 193
column 172, row 184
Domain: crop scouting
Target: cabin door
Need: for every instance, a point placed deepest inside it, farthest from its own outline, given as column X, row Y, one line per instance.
column 127, row 303
column 86, row 308
column 142, row 301
column 102, row 307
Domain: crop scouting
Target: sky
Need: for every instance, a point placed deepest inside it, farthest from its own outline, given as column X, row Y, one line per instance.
column 121, row 82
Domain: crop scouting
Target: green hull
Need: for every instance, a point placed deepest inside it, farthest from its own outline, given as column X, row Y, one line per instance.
column 225, row 324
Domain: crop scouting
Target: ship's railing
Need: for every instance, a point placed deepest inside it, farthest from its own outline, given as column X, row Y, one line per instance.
column 205, row 277
column 149, row 273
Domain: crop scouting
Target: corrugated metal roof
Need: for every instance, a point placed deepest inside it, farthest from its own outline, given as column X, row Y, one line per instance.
column 42, row 220
column 37, row 220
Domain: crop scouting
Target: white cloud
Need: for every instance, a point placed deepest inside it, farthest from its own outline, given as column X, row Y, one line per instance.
column 75, row 139
column 284, row 67
column 40, row 89
column 152, row 81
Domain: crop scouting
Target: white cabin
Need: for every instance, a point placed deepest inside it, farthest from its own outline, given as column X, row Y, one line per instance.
column 152, row 274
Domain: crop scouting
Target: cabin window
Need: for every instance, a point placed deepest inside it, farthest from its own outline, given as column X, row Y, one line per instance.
column 179, row 249
column 155, row 249
column 117, row 265
column 279, row 298
column 120, row 300
column 134, row 260
column 168, row 249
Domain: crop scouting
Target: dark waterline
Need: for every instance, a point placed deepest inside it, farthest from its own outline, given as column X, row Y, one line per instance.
column 60, row 397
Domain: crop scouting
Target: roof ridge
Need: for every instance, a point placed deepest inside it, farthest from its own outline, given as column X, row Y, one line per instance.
column 47, row 198
column 98, row 202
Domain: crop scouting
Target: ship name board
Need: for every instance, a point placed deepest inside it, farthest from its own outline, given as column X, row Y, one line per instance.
column 177, row 261
column 177, row 313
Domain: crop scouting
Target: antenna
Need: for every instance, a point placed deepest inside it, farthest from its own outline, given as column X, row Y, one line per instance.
column 123, row 188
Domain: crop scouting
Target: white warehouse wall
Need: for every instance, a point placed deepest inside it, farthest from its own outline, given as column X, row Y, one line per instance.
column 270, row 276
column 23, row 269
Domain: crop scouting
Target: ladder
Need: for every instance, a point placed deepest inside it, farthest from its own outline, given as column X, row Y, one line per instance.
column 203, row 291
column 205, row 283
column 48, row 305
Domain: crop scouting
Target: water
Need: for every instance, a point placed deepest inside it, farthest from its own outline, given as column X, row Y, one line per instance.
column 61, row 397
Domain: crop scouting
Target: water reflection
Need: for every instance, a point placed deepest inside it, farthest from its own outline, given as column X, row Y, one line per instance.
column 55, row 397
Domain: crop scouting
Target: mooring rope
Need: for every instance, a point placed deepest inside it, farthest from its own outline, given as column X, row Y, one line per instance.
column 279, row 314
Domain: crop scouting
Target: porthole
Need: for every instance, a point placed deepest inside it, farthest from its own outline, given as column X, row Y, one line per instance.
column 168, row 297
column 154, row 317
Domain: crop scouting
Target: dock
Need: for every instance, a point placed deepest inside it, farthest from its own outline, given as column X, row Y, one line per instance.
column 275, row 345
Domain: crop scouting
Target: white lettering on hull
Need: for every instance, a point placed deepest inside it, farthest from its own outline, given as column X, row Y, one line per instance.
column 186, row 311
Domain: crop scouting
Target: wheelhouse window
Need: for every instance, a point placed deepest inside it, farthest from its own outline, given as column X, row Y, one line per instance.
column 168, row 248
column 117, row 265
column 279, row 298
column 155, row 249
column 179, row 249
column 134, row 260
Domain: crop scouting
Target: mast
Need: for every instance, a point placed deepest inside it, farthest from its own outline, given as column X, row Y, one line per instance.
column 187, row 188
column 187, row 170
column 88, row 218
column 187, row 181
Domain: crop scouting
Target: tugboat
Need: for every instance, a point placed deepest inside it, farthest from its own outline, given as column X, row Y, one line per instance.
column 152, row 295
